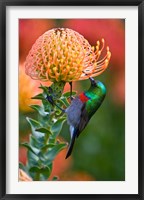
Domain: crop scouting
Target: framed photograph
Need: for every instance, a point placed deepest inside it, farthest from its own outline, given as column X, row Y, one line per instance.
column 71, row 99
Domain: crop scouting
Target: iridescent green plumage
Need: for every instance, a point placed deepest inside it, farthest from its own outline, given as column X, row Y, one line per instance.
column 96, row 95
column 83, row 108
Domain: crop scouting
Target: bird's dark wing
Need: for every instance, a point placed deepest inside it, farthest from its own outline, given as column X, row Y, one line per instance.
column 77, row 119
column 84, row 119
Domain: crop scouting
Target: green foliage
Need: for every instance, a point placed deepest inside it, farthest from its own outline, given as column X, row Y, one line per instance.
column 43, row 145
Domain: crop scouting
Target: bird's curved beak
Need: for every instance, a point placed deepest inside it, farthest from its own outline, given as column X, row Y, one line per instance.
column 93, row 81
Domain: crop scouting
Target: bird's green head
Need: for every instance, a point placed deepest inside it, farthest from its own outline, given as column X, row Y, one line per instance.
column 98, row 86
column 101, row 86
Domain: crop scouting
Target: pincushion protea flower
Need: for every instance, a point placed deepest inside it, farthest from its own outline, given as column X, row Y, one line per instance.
column 63, row 55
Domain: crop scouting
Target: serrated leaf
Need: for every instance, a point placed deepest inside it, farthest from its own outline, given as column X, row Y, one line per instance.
column 57, row 126
column 30, row 148
column 53, row 152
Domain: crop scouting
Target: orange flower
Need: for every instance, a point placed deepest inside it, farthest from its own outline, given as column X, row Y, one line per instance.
column 62, row 54
column 27, row 89
column 113, row 30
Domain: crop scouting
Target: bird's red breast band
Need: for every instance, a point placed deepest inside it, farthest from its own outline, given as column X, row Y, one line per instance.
column 83, row 97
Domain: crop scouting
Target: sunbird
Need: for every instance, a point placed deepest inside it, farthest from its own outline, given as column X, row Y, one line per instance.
column 82, row 108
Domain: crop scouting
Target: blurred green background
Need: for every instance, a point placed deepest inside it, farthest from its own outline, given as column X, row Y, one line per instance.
column 99, row 152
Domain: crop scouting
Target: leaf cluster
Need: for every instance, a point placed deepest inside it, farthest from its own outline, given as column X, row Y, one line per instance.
column 43, row 145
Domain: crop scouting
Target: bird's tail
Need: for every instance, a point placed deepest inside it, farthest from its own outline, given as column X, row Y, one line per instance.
column 71, row 146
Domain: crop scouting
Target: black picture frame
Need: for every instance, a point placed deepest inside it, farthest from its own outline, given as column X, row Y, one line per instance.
column 3, row 182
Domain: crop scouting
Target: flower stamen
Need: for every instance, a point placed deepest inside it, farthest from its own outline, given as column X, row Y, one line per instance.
column 62, row 54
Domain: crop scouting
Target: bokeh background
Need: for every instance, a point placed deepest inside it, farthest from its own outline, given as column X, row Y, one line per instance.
column 99, row 152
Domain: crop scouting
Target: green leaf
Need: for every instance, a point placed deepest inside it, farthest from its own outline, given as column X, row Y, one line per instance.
column 39, row 170
column 47, row 146
column 39, row 109
column 44, row 130
column 44, row 176
column 68, row 94
column 33, row 160
column 65, row 101
column 35, row 125
column 47, row 106
column 57, row 126
column 46, row 133
column 52, row 140
column 62, row 103
column 23, row 167
column 45, row 121
column 39, row 96
column 55, row 178
column 30, row 148
column 44, row 88
column 34, row 142
column 53, row 152
column 43, row 172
